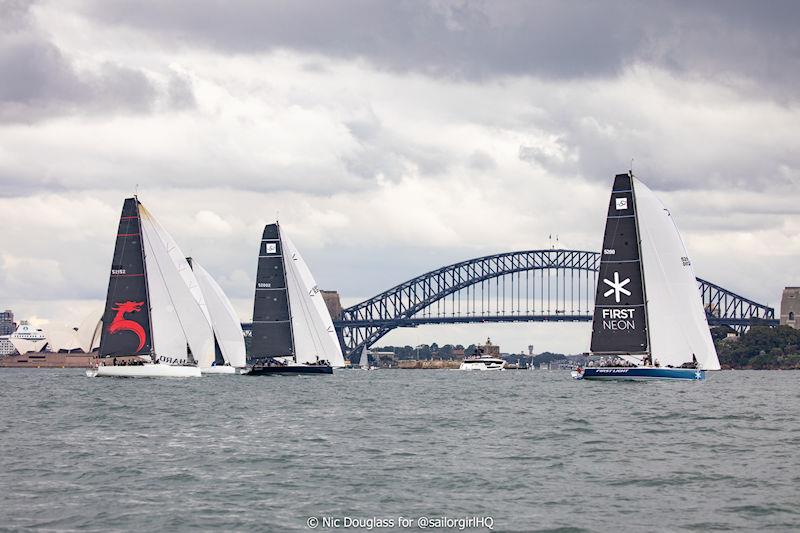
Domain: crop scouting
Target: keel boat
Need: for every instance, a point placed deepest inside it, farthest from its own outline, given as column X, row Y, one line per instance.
column 363, row 362
column 648, row 311
column 292, row 329
column 154, row 323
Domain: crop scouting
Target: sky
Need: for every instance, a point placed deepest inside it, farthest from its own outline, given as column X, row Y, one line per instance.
column 391, row 138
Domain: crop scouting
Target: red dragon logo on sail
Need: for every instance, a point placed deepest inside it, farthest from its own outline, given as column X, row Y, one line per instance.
column 120, row 323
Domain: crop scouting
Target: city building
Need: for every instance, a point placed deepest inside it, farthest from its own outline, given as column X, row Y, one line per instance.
column 26, row 338
column 7, row 326
column 489, row 348
column 790, row 307
column 6, row 348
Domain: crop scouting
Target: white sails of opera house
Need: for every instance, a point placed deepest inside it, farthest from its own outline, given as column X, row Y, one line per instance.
column 161, row 305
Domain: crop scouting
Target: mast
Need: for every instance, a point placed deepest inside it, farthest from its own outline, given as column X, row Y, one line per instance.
column 641, row 265
column 153, row 356
column 288, row 297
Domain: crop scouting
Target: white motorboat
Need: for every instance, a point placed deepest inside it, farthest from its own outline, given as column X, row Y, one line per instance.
column 482, row 362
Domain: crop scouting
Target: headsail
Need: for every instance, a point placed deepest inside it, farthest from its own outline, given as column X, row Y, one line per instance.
column 184, row 302
column 678, row 323
column 272, row 326
column 620, row 321
column 178, row 317
column 226, row 324
column 126, row 319
column 314, row 335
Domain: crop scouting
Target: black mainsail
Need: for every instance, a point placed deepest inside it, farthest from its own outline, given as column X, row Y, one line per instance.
column 619, row 324
column 272, row 324
column 126, row 319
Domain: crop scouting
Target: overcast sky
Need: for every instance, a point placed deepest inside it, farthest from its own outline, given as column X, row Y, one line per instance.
column 392, row 138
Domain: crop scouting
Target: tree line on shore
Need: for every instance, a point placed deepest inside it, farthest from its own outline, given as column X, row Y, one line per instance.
column 759, row 348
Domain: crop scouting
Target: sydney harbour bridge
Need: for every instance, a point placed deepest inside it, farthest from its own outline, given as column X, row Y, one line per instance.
column 527, row 286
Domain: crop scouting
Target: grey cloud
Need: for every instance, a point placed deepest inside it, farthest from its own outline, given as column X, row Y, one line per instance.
column 39, row 81
column 729, row 42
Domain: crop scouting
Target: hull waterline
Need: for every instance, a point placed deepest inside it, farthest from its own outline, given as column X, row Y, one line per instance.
column 289, row 370
column 145, row 371
column 640, row 374
column 218, row 370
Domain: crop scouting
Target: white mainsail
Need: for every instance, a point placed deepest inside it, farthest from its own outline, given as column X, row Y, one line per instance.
column 224, row 320
column 314, row 335
column 177, row 316
column 678, row 327
column 364, row 362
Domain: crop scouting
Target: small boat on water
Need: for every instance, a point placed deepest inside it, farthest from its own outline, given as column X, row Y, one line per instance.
column 486, row 357
column 648, row 311
column 363, row 362
column 482, row 362
column 155, row 323
column 292, row 329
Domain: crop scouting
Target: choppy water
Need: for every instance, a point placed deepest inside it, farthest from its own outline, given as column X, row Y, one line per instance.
column 532, row 450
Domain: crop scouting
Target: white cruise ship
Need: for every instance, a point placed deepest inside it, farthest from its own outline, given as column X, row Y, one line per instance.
column 25, row 339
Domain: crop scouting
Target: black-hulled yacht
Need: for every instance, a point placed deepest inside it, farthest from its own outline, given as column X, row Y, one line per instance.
column 292, row 329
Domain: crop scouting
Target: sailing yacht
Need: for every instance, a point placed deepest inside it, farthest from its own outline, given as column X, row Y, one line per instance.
column 363, row 362
column 155, row 323
column 229, row 347
column 292, row 329
column 648, row 311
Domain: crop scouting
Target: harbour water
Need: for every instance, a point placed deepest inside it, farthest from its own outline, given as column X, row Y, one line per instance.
column 532, row 450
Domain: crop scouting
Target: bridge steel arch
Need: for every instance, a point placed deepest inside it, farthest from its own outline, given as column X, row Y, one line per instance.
column 406, row 304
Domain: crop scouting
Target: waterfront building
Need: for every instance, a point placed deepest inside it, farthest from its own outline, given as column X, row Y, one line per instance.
column 333, row 302
column 490, row 349
column 790, row 307
column 6, row 348
column 7, row 326
column 25, row 339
